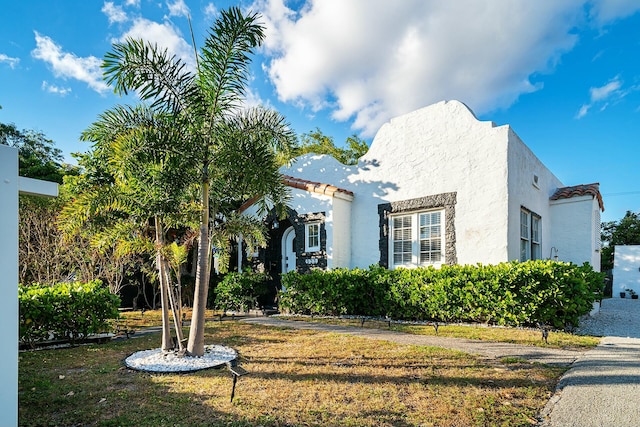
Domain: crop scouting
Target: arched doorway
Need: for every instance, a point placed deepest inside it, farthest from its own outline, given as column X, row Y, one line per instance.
column 288, row 250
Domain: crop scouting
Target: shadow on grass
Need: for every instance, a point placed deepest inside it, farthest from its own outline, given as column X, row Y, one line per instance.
column 296, row 378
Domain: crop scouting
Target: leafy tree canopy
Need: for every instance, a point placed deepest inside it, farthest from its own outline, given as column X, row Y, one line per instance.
column 37, row 155
column 231, row 151
column 318, row 143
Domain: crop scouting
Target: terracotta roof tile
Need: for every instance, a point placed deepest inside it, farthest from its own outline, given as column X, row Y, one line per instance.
column 580, row 190
column 315, row 187
column 303, row 184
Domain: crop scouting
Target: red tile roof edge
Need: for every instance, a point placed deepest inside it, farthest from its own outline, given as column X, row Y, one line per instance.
column 580, row 190
column 248, row 204
column 314, row 187
column 303, row 184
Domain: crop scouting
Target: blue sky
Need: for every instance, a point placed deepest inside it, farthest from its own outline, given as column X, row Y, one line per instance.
column 564, row 74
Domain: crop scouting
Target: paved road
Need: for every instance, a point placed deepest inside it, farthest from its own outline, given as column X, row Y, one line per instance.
column 602, row 388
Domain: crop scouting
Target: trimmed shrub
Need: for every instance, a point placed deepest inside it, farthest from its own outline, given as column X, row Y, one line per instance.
column 240, row 291
column 70, row 311
column 515, row 294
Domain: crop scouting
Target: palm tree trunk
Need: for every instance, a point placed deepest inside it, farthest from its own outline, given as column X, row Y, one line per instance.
column 164, row 300
column 195, row 345
column 172, row 302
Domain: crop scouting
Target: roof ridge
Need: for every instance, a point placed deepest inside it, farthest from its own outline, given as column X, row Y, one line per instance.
column 307, row 185
column 592, row 189
column 314, row 186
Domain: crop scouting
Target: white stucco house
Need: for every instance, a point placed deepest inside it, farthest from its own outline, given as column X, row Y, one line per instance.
column 437, row 186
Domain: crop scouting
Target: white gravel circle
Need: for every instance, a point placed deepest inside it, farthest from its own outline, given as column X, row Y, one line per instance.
column 156, row 361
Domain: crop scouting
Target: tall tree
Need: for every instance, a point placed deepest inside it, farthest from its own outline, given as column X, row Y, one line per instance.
column 208, row 103
column 43, row 256
column 318, row 143
column 38, row 156
column 626, row 231
column 138, row 171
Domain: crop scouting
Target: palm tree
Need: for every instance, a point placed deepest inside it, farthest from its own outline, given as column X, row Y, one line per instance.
column 135, row 172
column 225, row 143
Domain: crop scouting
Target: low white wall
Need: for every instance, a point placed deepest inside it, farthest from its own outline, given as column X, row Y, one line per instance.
column 626, row 269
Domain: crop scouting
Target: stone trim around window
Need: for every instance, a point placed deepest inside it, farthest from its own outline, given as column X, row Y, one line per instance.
column 446, row 201
column 305, row 261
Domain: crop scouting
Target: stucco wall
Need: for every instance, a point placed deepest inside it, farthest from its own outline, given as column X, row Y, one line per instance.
column 444, row 149
column 626, row 265
column 527, row 192
column 575, row 229
column 439, row 149
column 305, row 202
column 337, row 219
column 341, row 256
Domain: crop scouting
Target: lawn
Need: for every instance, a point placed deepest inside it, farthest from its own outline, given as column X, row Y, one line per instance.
column 297, row 378
column 522, row 336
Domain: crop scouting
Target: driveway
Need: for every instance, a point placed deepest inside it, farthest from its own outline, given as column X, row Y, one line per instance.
column 602, row 388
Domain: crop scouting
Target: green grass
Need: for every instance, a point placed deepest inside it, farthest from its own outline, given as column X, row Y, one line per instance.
column 297, row 378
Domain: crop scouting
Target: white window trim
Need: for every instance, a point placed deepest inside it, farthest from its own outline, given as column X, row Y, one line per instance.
column 307, row 236
column 415, row 239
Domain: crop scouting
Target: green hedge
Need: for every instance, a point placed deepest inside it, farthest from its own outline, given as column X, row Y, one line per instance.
column 65, row 311
column 240, row 291
column 513, row 293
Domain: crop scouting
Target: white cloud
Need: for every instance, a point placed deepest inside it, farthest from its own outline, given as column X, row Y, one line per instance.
column 611, row 91
column 68, row 65
column 583, row 111
column 134, row 3
column 606, row 11
column 62, row 91
column 370, row 60
column 178, row 8
column 114, row 13
column 210, row 11
column 253, row 99
column 603, row 92
column 165, row 35
column 12, row 62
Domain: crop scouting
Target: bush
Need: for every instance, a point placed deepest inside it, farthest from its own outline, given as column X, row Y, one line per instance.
column 240, row 291
column 70, row 311
column 513, row 293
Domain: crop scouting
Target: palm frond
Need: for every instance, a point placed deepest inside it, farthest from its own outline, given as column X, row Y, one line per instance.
column 251, row 143
column 157, row 76
column 252, row 230
column 223, row 67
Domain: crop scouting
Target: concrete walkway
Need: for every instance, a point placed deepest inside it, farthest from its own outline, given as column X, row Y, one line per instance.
column 483, row 348
column 602, row 388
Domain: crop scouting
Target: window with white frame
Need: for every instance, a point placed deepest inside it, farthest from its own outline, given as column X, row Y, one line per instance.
column 312, row 234
column 530, row 235
column 417, row 239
